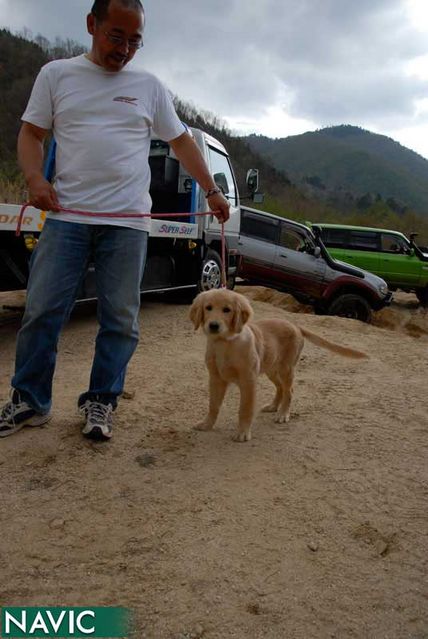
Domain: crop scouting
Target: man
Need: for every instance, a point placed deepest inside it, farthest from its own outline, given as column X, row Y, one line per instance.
column 102, row 113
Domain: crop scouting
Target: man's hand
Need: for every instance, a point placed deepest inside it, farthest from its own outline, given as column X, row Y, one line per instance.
column 42, row 194
column 30, row 157
column 220, row 206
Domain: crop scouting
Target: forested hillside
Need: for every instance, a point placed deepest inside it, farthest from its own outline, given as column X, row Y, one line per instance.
column 299, row 191
column 346, row 163
column 20, row 61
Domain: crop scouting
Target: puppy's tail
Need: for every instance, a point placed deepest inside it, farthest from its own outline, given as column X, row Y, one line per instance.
column 331, row 346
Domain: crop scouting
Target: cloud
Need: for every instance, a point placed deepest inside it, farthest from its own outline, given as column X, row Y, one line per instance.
column 50, row 18
column 321, row 61
column 331, row 61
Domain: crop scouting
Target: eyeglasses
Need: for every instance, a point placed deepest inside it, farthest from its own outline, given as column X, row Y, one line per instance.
column 118, row 41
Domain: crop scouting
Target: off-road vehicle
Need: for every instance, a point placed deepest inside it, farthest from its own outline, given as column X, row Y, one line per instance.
column 389, row 254
column 285, row 255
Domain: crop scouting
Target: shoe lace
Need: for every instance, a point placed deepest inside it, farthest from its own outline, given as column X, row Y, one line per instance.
column 8, row 410
column 97, row 412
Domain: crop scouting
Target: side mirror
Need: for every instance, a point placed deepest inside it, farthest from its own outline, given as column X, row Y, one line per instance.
column 317, row 251
column 221, row 181
column 252, row 180
column 410, row 251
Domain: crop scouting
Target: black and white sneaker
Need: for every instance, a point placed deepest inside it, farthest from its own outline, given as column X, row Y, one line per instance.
column 98, row 420
column 16, row 414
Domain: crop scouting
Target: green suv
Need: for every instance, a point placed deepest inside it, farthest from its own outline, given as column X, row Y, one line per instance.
column 388, row 254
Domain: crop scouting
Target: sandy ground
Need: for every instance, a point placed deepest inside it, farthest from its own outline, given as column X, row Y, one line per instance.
column 314, row 529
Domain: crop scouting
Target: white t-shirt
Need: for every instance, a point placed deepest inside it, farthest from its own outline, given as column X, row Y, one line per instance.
column 102, row 122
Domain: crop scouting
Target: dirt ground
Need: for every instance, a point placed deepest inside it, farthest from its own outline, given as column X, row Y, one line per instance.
column 314, row 529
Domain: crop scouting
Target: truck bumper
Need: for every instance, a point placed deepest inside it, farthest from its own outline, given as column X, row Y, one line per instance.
column 385, row 302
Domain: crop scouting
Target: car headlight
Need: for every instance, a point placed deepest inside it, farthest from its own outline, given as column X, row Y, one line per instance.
column 383, row 288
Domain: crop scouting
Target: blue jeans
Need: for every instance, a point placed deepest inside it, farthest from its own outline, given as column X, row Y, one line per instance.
column 58, row 267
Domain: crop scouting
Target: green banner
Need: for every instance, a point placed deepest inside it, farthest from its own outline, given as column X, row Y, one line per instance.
column 110, row 623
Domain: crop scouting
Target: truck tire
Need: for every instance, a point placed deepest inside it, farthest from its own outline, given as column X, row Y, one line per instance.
column 422, row 295
column 351, row 305
column 210, row 273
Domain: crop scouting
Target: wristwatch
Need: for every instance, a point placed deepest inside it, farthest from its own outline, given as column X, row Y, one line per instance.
column 213, row 192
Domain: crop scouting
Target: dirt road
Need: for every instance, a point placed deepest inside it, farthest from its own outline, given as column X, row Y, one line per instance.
column 314, row 529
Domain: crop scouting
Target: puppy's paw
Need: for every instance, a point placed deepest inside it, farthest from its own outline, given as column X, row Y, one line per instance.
column 203, row 426
column 242, row 437
column 269, row 408
column 281, row 419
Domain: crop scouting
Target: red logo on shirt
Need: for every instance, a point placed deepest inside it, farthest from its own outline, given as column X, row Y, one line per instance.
column 124, row 98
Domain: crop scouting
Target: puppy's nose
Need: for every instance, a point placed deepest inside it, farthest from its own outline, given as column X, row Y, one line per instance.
column 214, row 327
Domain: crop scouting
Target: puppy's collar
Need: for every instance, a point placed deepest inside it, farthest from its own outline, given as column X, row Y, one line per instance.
column 219, row 337
column 232, row 337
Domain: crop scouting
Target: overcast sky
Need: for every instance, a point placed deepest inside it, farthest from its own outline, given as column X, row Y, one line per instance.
column 277, row 67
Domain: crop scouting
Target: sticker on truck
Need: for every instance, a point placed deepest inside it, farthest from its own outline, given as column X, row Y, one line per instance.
column 163, row 228
column 33, row 218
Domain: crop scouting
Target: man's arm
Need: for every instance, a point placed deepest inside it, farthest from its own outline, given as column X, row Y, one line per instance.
column 30, row 157
column 192, row 159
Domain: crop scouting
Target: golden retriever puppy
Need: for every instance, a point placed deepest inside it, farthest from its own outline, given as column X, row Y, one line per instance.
column 239, row 350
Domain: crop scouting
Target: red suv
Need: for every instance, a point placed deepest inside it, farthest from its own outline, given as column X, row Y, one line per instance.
column 285, row 255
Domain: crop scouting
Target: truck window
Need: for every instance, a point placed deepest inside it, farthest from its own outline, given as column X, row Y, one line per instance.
column 392, row 244
column 335, row 238
column 159, row 147
column 258, row 227
column 219, row 163
column 291, row 239
column 364, row 240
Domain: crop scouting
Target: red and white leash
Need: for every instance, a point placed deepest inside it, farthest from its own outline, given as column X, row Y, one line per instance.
column 139, row 216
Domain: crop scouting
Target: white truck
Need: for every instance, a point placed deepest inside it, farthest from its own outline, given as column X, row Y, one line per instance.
column 183, row 252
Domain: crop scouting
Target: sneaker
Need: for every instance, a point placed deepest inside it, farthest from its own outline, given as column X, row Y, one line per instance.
column 16, row 414
column 99, row 420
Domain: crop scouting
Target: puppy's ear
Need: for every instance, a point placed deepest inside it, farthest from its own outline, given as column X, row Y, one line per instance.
column 196, row 313
column 242, row 312
column 247, row 310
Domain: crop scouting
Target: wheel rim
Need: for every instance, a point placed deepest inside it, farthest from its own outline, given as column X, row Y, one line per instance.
column 211, row 275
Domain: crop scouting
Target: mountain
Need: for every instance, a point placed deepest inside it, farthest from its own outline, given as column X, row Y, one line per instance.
column 345, row 163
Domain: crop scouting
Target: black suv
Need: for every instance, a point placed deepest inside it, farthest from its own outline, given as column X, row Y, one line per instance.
column 285, row 255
